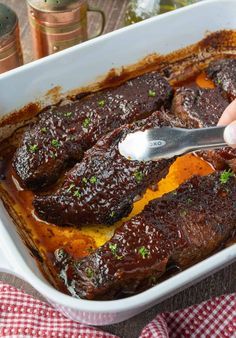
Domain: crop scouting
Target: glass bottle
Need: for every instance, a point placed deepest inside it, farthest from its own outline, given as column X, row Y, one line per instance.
column 138, row 10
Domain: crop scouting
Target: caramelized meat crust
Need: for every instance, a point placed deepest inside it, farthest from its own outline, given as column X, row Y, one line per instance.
column 197, row 107
column 180, row 228
column 220, row 159
column 223, row 74
column 101, row 189
column 62, row 134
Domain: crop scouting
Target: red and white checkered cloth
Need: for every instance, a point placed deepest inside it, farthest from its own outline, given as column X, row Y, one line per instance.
column 23, row 316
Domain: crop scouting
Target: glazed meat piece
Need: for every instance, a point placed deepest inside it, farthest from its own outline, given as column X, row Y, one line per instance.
column 198, row 108
column 223, row 73
column 220, row 158
column 180, row 228
column 62, row 134
column 101, row 189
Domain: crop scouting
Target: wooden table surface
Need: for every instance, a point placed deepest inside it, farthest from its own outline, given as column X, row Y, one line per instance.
column 221, row 282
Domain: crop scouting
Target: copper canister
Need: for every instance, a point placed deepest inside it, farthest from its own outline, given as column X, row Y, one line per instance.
column 58, row 24
column 10, row 47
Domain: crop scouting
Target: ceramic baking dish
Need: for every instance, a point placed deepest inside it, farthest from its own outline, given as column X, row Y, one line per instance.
column 77, row 67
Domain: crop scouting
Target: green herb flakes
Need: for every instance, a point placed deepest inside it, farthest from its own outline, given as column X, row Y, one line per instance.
column 33, row 148
column 84, row 180
column 219, row 81
column 89, row 272
column 70, row 187
column 138, row 176
column 225, row 175
column 151, row 93
column 144, row 252
column 52, row 154
column 44, row 130
column 183, row 213
column 112, row 214
column 86, row 123
column 55, row 143
column 101, row 103
column 113, row 248
column 77, row 193
column 93, row 179
column 68, row 113
column 153, row 279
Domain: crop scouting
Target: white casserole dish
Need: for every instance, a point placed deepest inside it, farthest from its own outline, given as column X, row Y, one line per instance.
column 77, row 67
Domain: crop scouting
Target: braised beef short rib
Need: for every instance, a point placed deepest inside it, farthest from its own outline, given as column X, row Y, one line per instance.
column 199, row 108
column 223, row 73
column 102, row 188
column 62, row 133
column 180, row 228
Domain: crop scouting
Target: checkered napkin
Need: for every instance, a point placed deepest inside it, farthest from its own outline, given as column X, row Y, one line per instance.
column 23, row 316
column 215, row 318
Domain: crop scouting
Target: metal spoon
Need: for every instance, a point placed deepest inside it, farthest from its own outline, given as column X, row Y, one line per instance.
column 157, row 143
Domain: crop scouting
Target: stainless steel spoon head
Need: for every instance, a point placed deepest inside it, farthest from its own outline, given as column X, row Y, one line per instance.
column 163, row 143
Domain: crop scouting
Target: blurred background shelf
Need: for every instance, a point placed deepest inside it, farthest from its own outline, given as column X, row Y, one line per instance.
column 113, row 9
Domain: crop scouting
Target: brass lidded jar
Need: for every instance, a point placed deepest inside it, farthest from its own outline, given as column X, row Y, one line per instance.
column 10, row 47
column 57, row 24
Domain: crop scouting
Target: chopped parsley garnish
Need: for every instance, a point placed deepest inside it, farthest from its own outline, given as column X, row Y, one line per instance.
column 86, row 123
column 225, row 175
column 153, row 279
column 77, row 193
column 33, row 148
column 183, row 213
column 138, row 176
column 151, row 93
column 93, row 179
column 89, row 272
column 101, row 103
column 113, row 248
column 68, row 113
column 84, row 180
column 55, row 143
column 70, row 187
column 52, row 154
column 44, row 130
column 144, row 252
column 219, row 81
column 112, row 214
